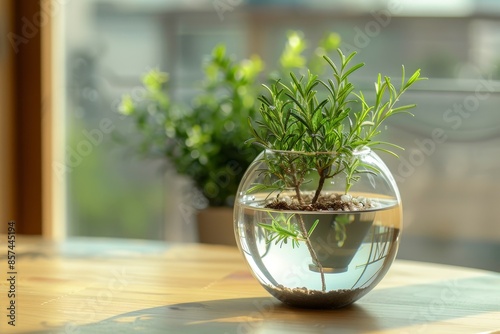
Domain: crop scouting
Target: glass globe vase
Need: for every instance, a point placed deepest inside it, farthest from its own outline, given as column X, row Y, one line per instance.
column 313, row 241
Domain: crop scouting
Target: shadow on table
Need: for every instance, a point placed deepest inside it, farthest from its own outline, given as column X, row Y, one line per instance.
column 414, row 306
column 229, row 316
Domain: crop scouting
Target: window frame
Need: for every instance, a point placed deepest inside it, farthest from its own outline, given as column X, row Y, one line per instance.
column 28, row 129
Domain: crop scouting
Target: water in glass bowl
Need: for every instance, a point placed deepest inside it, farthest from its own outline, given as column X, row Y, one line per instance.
column 348, row 252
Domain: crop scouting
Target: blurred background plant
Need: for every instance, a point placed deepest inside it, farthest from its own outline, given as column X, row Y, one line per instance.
column 204, row 140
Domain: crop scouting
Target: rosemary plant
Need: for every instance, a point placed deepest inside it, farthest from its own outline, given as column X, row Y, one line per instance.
column 318, row 126
column 325, row 131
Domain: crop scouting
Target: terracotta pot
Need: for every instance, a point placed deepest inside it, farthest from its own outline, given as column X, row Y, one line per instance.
column 215, row 226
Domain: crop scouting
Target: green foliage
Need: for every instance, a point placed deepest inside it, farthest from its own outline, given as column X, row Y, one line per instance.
column 325, row 130
column 205, row 140
column 282, row 229
column 292, row 58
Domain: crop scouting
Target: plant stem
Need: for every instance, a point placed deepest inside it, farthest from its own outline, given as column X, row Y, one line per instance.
column 296, row 184
column 321, row 182
column 312, row 252
column 323, row 176
column 297, row 192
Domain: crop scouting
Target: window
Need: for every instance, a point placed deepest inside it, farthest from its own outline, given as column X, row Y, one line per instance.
column 447, row 175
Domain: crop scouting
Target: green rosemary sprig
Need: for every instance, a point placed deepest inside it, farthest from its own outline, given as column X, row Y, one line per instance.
column 282, row 229
column 294, row 117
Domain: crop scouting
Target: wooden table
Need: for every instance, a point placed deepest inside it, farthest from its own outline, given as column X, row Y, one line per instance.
column 113, row 286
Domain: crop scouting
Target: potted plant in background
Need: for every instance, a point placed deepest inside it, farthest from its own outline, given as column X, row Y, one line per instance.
column 318, row 214
column 205, row 140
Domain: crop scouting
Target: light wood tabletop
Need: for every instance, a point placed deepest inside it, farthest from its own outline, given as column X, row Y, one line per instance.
column 92, row 285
